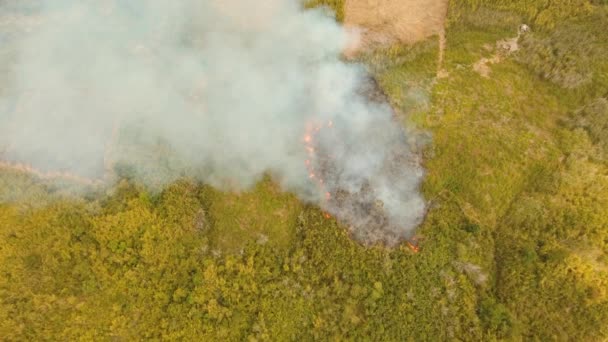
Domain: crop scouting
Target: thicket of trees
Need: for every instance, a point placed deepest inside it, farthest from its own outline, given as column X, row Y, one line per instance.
column 514, row 247
column 134, row 265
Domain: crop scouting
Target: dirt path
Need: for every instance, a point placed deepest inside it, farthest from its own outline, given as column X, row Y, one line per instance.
column 503, row 49
column 441, row 72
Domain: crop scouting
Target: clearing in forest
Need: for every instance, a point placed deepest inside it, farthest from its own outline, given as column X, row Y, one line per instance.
column 406, row 21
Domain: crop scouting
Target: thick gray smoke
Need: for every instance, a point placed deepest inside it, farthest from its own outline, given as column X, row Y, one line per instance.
column 222, row 90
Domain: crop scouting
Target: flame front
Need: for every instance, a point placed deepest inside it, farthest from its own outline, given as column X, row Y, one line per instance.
column 312, row 130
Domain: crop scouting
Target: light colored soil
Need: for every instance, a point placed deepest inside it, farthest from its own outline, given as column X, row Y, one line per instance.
column 385, row 21
column 441, row 71
column 482, row 66
column 504, row 48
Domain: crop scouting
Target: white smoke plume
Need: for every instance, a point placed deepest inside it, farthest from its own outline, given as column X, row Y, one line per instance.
column 222, row 90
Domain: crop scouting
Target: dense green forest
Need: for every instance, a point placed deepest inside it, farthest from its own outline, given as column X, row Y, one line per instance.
column 514, row 246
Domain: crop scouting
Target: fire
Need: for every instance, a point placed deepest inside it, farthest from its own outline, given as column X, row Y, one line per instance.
column 66, row 175
column 314, row 157
column 44, row 175
column 309, row 145
column 413, row 244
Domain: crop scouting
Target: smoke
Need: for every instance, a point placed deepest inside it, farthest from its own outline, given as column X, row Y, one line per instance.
column 221, row 90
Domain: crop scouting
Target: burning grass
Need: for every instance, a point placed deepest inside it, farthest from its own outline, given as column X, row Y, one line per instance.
column 359, row 209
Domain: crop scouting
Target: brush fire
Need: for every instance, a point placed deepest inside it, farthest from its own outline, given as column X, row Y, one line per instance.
column 318, row 164
column 271, row 91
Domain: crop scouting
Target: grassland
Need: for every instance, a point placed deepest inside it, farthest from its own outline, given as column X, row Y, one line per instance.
column 514, row 246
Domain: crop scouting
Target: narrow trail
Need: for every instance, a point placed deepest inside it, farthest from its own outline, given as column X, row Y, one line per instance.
column 441, row 71
column 503, row 48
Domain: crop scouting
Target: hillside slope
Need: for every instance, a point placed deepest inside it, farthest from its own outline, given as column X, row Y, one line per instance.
column 514, row 246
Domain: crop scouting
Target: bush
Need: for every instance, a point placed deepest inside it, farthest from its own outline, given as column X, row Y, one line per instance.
column 593, row 118
column 565, row 57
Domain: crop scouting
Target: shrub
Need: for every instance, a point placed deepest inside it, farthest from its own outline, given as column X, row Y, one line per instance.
column 593, row 118
column 564, row 57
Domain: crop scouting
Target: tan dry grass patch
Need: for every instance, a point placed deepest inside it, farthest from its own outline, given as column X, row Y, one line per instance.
column 386, row 21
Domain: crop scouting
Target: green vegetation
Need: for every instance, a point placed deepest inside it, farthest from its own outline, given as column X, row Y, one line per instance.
column 514, row 247
column 544, row 14
column 336, row 5
column 593, row 118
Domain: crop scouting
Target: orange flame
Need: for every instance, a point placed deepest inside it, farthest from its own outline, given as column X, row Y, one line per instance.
column 53, row 175
column 413, row 248
column 309, row 145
